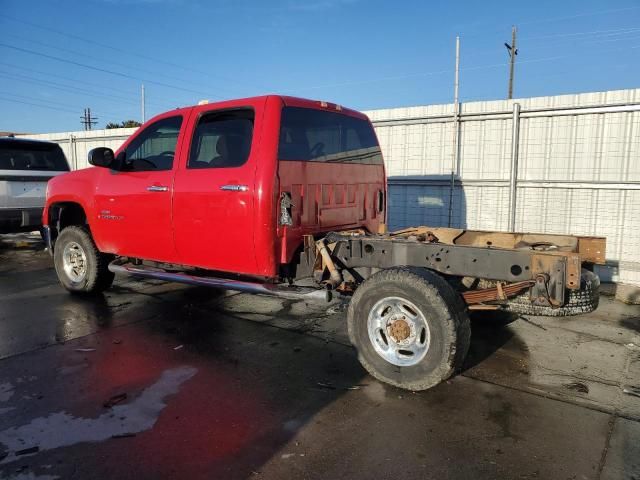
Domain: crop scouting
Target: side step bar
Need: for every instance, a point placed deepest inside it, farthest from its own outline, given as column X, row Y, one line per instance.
column 282, row 291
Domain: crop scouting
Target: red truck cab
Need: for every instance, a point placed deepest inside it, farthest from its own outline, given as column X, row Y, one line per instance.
column 207, row 186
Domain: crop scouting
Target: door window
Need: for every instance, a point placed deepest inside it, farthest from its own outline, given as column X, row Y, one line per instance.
column 155, row 147
column 222, row 139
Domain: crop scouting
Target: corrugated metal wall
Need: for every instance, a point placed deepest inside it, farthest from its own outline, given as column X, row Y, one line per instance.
column 578, row 170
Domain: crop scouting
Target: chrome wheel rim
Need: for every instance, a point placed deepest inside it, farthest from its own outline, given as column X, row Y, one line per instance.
column 398, row 331
column 74, row 262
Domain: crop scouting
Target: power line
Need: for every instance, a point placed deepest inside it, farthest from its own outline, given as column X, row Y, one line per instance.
column 29, row 98
column 611, row 40
column 103, row 70
column 66, row 88
column 39, row 105
column 40, row 72
column 93, row 57
column 63, row 104
column 165, row 62
column 579, row 15
column 129, row 98
column 117, row 49
column 449, row 70
column 613, row 32
column 595, row 33
column 552, row 19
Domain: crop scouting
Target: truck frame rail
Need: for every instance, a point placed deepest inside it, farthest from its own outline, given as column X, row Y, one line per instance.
column 506, row 264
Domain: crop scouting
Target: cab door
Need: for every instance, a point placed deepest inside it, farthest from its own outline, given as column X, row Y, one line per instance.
column 214, row 191
column 133, row 204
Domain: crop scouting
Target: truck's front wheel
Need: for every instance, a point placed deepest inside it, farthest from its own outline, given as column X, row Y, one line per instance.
column 410, row 327
column 80, row 266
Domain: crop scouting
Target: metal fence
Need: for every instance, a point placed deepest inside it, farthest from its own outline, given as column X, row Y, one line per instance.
column 563, row 164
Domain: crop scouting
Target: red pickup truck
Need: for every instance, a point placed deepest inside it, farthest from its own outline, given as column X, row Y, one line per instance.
column 283, row 196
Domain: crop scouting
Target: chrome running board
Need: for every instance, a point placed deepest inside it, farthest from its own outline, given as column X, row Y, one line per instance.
column 283, row 291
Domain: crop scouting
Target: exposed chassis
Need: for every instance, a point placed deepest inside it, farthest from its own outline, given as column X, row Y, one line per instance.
column 506, row 264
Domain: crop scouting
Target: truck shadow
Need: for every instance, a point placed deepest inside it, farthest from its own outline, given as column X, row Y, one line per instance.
column 490, row 332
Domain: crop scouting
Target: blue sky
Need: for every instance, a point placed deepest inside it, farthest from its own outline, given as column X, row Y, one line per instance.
column 58, row 57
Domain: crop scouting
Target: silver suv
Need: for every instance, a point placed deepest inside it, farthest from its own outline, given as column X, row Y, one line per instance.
column 25, row 167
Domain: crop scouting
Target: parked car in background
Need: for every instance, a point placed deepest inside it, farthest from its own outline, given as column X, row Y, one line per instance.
column 25, row 167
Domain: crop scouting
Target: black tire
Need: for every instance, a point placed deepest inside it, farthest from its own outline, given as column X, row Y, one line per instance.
column 96, row 277
column 584, row 300
column 445, row 315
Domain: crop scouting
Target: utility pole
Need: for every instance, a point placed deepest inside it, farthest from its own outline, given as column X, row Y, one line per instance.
column 143, row 114
column 87, row 120
column 513, row 51
column 456, row 131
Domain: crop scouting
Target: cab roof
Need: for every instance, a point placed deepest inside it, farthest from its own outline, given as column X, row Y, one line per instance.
column 287, row 101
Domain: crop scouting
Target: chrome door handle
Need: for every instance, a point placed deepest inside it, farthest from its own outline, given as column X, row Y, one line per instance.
column 234, row 188
column 157, row 188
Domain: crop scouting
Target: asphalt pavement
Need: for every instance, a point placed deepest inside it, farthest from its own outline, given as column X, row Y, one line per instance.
column 159, row 380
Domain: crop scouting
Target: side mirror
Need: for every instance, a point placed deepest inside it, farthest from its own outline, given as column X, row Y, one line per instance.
column 101, row 157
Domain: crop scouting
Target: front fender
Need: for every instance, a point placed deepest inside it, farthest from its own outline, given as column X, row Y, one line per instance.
column 74, row 187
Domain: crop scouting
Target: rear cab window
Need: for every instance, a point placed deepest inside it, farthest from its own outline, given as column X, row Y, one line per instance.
column 307, row 134
column 21, row 155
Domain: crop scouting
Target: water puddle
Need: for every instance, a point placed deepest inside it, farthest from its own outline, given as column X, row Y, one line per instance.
column 61, row 429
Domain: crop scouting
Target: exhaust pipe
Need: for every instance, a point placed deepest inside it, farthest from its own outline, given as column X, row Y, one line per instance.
column 335, row 278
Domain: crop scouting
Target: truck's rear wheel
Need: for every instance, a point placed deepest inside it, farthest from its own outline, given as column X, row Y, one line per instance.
column 410, row 327
column 80, row 266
